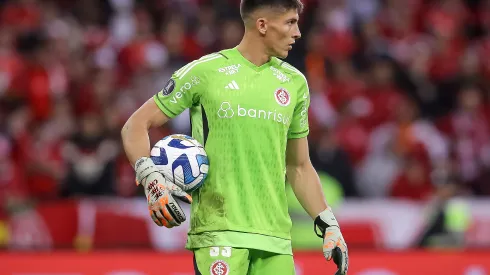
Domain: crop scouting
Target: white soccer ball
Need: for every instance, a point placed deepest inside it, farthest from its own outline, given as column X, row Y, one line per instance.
column 181, row 159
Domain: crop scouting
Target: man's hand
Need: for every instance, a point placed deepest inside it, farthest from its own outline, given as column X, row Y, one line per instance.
column 334, row 245
column 161, row 194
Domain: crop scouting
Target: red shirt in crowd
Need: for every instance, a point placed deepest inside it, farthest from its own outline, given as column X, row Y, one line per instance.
column 382, row 102
column 404, row 188
column 33, row 86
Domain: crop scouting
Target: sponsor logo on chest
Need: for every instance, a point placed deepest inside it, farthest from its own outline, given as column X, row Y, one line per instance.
column 280, row 75
column 230, row 70
column 228, row 111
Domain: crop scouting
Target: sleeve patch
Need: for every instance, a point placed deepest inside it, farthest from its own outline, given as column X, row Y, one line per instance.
column 169, row 87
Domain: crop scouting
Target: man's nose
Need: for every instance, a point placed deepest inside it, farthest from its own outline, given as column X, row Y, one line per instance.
column 297, row 34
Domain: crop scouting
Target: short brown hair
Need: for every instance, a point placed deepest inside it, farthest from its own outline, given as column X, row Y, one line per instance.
column 249, row 6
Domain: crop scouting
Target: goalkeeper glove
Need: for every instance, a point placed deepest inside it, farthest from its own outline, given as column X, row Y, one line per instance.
column 334, row 245
column 161, row 194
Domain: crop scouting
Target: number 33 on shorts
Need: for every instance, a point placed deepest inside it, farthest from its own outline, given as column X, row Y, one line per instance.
column 215, row 251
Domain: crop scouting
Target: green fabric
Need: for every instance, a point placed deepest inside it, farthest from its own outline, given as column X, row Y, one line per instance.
column 457, row 216
column 242, row 261
column 250, row 113
column 240, row 239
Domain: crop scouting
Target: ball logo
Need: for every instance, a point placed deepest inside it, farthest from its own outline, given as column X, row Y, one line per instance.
column 219, row 267
column 282, row 97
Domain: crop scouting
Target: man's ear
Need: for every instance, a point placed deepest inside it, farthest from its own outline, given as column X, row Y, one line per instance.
column 261, row 25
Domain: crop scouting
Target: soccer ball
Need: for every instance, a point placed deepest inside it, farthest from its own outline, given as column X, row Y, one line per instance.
column 181, row 159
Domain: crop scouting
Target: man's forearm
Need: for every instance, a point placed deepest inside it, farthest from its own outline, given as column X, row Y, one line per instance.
column 307, row 188
column 136, row 141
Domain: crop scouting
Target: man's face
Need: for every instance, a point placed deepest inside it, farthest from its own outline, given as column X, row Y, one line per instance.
column 282, row 30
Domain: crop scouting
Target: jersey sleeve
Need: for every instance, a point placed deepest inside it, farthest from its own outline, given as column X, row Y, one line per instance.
column 182, row 90
column 299, row 127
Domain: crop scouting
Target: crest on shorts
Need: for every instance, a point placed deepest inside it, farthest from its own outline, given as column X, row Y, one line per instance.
column 282, row 97
column 169, row 87
column 219, row 267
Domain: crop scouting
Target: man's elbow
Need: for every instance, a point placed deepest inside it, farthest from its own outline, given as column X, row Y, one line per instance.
column 297, row 168
column 299, row 164
column 125, row 129
column 134, row 124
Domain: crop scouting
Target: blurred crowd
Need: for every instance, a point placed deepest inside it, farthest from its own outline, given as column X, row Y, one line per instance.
column 400, row 102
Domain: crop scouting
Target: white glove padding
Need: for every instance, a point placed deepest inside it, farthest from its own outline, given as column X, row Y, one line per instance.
column 161, row 194
column 334, row 245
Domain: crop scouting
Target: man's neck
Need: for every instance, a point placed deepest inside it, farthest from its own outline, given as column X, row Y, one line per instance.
column 253, row 50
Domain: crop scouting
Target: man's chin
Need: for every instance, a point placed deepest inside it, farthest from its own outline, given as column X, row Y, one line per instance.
column 283, row 54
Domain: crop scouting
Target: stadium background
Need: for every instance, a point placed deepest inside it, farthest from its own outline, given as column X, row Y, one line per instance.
column 400, row 132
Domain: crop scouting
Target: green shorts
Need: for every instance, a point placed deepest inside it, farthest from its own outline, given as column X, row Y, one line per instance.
column 241, row 261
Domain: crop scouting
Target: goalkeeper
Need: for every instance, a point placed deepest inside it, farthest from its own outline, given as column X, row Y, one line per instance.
column 250, row 111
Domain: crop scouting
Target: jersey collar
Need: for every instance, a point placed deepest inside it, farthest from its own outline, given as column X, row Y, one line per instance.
column 247, row 62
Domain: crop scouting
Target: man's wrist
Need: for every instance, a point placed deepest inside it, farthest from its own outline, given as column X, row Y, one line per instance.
column 324, row 220
column 143, row 167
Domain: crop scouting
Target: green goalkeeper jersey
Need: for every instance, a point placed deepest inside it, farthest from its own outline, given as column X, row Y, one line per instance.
column 244, row 115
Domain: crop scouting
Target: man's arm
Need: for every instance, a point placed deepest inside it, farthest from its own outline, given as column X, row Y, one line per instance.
column 307, row 188
column 306, row 184
column 303, row 177
column 134, row 134
column 181, row 91
column 163, row 208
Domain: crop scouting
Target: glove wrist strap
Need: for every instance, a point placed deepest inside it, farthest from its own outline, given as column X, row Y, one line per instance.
column 144, row 167
column 324, row 220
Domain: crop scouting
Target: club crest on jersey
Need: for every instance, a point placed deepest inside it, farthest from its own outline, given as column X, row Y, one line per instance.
column 169, row 87
column 219, row 267
column 282, row 97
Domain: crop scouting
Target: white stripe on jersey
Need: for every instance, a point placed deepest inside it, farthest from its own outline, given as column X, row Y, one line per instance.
column 179, row 71
column 287, row 66
column 183, row 68
column 199, row 62
column 204, row 58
